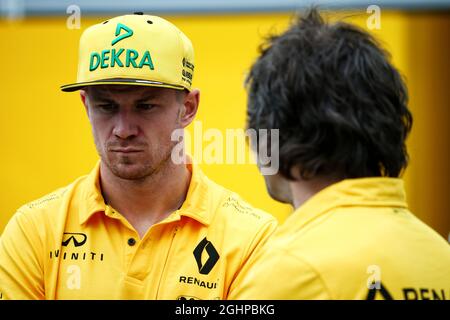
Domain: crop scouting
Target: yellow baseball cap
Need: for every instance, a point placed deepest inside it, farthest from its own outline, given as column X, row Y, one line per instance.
column 134, row 49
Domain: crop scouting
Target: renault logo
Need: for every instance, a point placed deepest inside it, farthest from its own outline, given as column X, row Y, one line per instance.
column 372, row 293
column 213, row 256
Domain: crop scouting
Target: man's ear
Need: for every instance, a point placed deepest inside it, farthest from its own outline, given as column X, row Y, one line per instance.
column 84, row 98
column 191, row 101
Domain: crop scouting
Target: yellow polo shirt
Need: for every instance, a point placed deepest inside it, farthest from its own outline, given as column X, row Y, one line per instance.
column 355, row 239
column 70, row 245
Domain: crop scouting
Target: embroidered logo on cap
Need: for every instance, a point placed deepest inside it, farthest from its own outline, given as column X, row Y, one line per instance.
column 120, row 27
column 111, row 58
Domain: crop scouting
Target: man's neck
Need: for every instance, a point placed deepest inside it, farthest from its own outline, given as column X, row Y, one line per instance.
column 146, row 202
column 302, row 190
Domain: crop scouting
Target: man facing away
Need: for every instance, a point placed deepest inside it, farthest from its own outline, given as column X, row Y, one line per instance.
column 140, row 225
column 341, row 110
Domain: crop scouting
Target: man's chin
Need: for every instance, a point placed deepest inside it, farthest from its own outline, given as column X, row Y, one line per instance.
column 278, row 196
column 278, row 189
column 130, row 171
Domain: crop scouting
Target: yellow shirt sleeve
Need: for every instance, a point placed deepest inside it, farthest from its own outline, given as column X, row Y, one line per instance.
column 256, row 248
column 21, row 253
column 279, row 276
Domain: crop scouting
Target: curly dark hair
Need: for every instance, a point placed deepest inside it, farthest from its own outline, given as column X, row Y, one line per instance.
column 340, row 105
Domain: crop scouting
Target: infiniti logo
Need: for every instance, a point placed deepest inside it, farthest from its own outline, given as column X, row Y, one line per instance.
column 78, row 239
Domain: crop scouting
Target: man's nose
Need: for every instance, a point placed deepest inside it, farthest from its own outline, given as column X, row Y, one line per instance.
column 125, row 127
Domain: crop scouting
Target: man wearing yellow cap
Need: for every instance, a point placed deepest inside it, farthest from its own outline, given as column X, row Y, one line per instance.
column 140, row 225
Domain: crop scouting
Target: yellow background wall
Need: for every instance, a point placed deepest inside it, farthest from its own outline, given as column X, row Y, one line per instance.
column 46, row 139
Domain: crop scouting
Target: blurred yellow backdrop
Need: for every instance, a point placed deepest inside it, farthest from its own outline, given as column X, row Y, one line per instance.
column 46, row 139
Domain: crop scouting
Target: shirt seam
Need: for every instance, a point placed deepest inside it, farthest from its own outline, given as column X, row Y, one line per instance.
column 257, row 233
column 244, row 259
